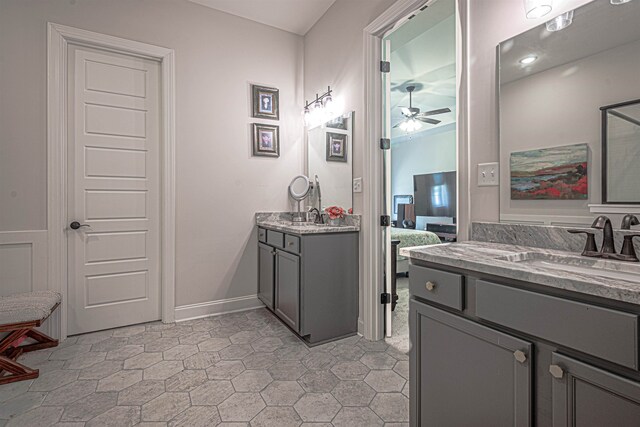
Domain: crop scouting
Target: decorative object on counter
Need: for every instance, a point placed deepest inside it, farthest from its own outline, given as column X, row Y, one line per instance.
column 266, row 140
column 266, row 102
column 558, row 173
column 336, row 147
column 336, row 213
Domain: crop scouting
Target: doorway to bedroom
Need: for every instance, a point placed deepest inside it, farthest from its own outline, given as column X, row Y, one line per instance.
column 419, row 110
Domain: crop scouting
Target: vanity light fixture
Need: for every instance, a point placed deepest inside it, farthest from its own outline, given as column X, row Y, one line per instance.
column 560, row 22
column 617, row 2
column 529, row 59
column 535, row 9
column 319, row 107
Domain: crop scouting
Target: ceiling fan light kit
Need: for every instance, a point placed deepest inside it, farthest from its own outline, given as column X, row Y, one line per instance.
column 413, row 117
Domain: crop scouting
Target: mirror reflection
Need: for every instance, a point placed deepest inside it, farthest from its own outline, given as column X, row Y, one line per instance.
column 329, row 157
column 553, row 82
column 621, row 147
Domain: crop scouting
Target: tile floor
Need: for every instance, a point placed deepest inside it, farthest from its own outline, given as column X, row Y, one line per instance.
column 239, row 369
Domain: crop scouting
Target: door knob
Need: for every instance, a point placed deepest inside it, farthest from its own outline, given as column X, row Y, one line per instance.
column 75, row 225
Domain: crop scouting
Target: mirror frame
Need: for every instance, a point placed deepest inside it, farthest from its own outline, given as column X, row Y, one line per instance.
column 298, row 197
column 604, row 154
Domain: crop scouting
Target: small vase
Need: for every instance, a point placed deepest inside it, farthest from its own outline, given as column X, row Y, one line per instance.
column 334, row 222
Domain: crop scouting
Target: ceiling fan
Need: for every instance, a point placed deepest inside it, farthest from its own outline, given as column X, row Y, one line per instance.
column 413, row 116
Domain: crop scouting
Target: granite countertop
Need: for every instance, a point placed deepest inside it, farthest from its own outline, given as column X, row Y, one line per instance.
column 281, row 221
column 490, row 258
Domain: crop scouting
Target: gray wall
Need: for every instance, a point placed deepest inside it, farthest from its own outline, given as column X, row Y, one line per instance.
column 219, row 184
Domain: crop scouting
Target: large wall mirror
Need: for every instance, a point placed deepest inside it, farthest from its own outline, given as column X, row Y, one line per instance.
column 555, row 82
column 330, row 158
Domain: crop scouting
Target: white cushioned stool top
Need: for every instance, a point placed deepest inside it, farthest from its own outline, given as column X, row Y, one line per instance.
column 27, row 307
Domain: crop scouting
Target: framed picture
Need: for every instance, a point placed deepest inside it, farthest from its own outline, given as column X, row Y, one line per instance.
column 266, row 104
column 266, row 140
column 339, row 122
column 558, row 173
column 336, row 147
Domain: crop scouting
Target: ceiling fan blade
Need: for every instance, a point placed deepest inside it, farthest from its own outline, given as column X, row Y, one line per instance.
column 434, row 112
column 397, row 125
column 428, row 120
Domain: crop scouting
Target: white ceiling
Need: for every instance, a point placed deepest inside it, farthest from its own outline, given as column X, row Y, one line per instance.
column 295, row 16
column 423, row 54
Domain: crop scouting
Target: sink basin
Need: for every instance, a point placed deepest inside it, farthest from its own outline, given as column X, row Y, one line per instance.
column 617, row 270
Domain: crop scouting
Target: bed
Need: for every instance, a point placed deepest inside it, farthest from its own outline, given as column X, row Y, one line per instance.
column 409, row 237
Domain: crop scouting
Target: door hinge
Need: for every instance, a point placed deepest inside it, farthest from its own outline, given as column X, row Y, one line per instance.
column 385, row 220
column 385, row 66
column 385, row 298
column 385, row 143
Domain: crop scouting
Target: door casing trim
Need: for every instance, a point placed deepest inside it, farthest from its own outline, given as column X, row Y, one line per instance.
column 58, row 39
column 371, row 259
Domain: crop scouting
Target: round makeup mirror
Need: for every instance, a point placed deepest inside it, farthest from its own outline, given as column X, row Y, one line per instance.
column 299, row 188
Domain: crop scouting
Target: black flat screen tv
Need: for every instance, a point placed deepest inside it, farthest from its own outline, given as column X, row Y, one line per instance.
column 435, row 194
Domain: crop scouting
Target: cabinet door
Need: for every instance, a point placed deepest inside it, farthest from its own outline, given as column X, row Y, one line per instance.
column 287, row 302
column 466, row 374
column 266, row 274
column 587, row 396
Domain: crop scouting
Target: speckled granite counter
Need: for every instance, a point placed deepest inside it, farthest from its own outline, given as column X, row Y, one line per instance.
column 281, row 221
column 491, row 258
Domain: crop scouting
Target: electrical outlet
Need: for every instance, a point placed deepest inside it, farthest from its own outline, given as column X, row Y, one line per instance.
column 357, row 185
column 488, row 174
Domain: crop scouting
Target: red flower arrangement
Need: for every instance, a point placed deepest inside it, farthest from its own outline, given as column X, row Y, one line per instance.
column 335, row 212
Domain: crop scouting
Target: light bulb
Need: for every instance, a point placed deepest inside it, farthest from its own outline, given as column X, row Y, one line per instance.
column 560, row 22
column 529, row 59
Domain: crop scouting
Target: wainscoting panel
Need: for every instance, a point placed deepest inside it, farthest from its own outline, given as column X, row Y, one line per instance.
column 23, row 261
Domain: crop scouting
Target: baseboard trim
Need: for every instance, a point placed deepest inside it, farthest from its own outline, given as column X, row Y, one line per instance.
column 216, row 308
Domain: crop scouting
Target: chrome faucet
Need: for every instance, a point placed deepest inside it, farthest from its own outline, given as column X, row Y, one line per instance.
column 608, row 246
column 628, row 221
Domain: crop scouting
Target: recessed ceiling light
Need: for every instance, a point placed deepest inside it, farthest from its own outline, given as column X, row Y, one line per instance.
column 617, row 2
column 529, row 59
column 535, row 9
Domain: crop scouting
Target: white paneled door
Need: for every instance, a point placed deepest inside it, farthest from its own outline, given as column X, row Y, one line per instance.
column 113, row 190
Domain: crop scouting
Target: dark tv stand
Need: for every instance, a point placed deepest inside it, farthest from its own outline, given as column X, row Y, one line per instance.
column 446, row 232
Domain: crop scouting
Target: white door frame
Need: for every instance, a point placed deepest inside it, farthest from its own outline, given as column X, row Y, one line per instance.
column 373, row 264
column 58, row 39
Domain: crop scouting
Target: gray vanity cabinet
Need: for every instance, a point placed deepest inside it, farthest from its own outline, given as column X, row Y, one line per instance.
column 584, row 395
column 266, row 268
column 287, row 298
column 465, row 374
column 310, row 281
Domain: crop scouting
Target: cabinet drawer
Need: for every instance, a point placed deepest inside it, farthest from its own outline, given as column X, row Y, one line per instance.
column 608, row 334
column 275, row 238
column 292, row 243
column 262, row 235
column 438, row 286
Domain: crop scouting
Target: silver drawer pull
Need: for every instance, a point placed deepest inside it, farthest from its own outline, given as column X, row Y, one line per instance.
column 430, row 286
column 290, row 243
column 520, row 356
column 556, row 371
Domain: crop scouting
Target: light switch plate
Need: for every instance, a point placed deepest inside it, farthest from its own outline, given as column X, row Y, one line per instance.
column 488, row 174
column 357, row 185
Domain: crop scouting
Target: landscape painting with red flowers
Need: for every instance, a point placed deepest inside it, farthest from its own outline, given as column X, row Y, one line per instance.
column 558, row 173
